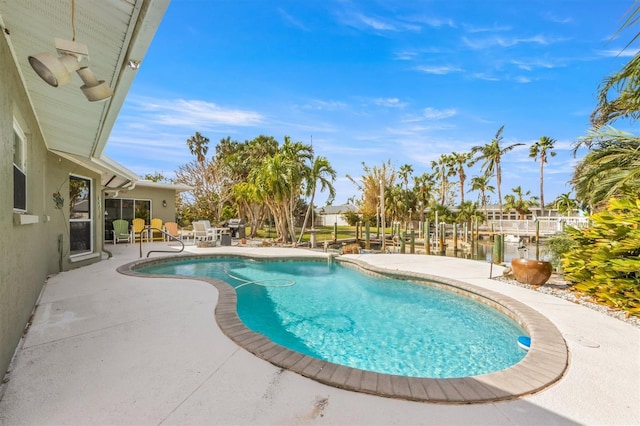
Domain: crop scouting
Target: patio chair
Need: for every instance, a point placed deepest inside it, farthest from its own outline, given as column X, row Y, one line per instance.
column 200, row 232
column 154, row 234
column 138, row 230
column 214, row 233
column 171, row 228
column 121, row 231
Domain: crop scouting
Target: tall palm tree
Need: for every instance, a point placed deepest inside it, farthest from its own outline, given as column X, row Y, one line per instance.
column 491, row 154
column 404, row 173
column 460, row 161
column 321, row 171
column 443, row 170
column 481, row 184
column 198, row 146
column 541, row 149
column 423, row 188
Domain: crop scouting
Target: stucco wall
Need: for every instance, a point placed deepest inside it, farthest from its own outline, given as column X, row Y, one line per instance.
column 156, row 195
column 29, row 252
column 23, row 253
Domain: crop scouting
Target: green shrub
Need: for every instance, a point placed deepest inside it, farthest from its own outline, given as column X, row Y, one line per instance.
column 557, row 247
column 605, row 261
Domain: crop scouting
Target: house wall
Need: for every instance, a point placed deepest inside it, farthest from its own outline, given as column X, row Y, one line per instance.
column 29, row 252
column 156, row 195
column 332, row 219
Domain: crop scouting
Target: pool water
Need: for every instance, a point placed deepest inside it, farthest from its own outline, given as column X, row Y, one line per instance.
column 341, row 315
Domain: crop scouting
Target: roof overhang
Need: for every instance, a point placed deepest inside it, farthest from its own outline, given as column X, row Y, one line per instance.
column 116, row 33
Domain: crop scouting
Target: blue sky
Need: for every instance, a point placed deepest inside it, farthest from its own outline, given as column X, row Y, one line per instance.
column 373, row 81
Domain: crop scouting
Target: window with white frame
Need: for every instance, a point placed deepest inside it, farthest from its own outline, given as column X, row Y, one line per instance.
column 80, row 216
column 19, row 169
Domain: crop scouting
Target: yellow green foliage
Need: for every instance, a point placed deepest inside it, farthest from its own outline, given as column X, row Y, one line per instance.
column 605, row 261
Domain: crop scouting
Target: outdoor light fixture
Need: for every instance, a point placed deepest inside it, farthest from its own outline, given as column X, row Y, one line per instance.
column 164, row 203
column 57, row 70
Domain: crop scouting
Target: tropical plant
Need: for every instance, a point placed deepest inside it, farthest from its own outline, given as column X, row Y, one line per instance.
column 198, row 146
column 423, row 186
column 624, row 82
column 605, row 261
column 491, row 154
column 322, row 172
column 468, row 211
column 610, row 169
column 518, row 202
column 565, row 204
column 558, row 245
column 371, row 184
column 481, row 184
column 459, row 161
column 541, row 150
column 443, row 170
column 405, row 173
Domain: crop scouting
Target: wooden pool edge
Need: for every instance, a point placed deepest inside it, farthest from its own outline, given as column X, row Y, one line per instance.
column 544, row 364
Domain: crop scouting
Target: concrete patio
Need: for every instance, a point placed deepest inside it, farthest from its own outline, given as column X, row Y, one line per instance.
column 107, row 348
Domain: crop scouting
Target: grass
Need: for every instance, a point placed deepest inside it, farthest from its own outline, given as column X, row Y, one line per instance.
column 323, row 233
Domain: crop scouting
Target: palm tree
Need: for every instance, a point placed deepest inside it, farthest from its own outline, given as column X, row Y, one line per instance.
column 443, row 169
column 198, row 146
column 423, row 188
column 404, row 173
column 459, row 162
column 467, row 211
column 517, row 202
column 491, row 154
column 541, row 149
column 565, row 204
column 612, row 168
column 625, row 82
column 481, row 184
column 321, row 171
column 279, row 181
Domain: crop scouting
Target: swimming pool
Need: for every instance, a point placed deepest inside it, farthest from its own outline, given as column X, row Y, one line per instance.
column 341, row 315
column 544, row 363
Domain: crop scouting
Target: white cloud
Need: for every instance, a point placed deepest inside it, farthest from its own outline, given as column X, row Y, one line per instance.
column 320, row 105
column 523, row 79
column 508, row 41
column 438, row 70
column 621, row 53
column 291, row 20
column 495, row 28
column 389, row 102
column 533, row 64
column 192, row 113
column 376, row 24
column 439, row 114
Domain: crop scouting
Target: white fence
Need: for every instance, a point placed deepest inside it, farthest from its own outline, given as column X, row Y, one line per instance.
column 548, row 225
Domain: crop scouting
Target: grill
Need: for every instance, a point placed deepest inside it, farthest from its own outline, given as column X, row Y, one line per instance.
column 237, row 228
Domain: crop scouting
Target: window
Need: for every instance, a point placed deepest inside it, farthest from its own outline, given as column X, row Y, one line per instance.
column 80, row 217
column 19, row 169
column 127, row 209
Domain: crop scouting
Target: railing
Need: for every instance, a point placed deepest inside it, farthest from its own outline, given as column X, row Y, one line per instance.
column 148, row 230
column 547, row 226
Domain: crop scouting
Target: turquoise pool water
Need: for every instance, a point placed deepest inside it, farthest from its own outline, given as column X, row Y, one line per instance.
column 338, row 314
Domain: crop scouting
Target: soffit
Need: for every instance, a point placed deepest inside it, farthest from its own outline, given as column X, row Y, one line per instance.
column 114, row 31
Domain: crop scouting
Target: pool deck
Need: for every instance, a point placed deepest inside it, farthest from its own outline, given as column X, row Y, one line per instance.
column 108, row 348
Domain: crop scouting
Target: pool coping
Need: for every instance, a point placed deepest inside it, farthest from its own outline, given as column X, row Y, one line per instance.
column 544, row 364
